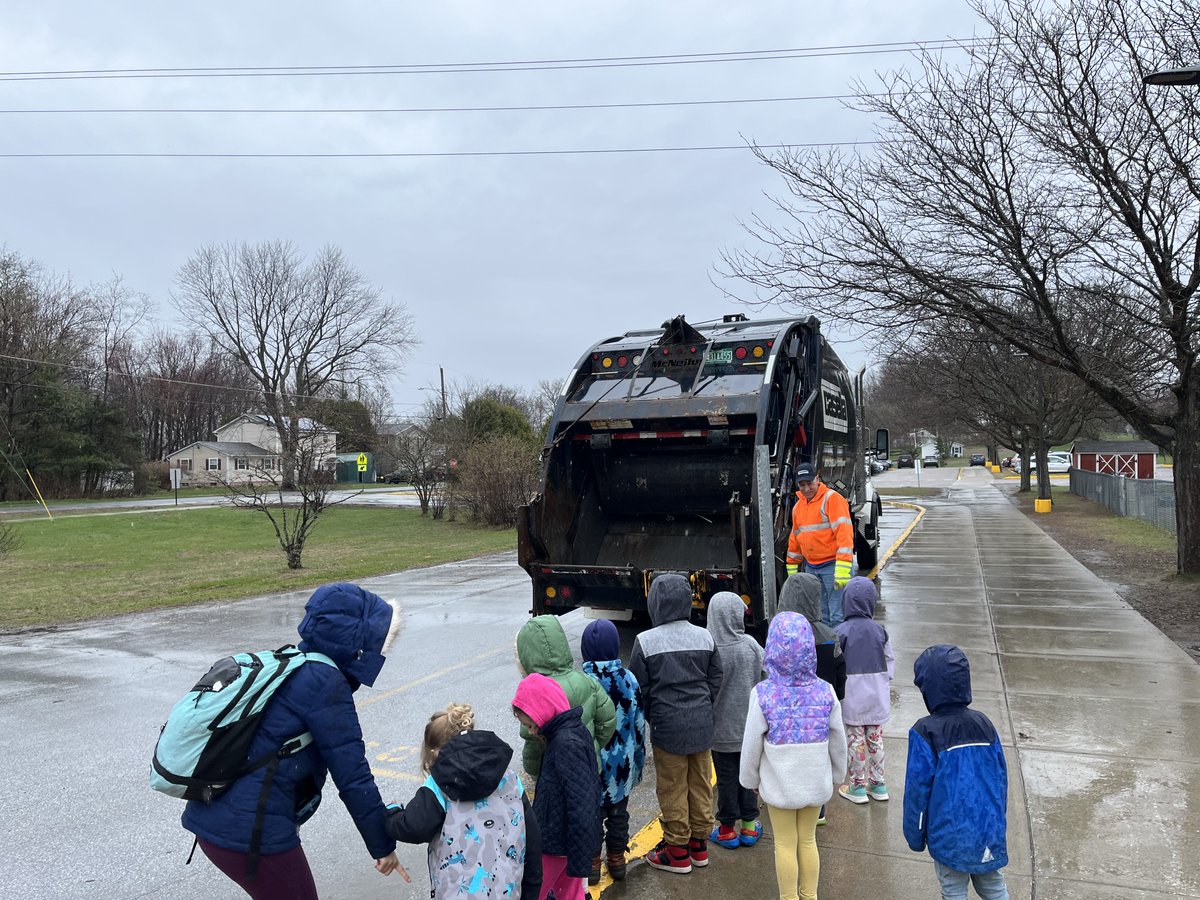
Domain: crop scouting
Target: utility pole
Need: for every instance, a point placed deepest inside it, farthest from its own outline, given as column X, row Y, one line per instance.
column 442, row 377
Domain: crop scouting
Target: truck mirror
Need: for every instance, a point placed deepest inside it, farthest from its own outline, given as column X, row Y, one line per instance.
column 882, row 448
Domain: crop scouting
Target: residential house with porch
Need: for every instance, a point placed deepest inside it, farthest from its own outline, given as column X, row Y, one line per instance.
column 247, row 449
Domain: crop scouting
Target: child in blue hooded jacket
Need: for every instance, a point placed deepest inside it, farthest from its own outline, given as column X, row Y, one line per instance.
column 624, row 756
column 955, row 804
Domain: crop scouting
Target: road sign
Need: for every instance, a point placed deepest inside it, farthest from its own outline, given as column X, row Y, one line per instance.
column 362, row 462
column 176, row 477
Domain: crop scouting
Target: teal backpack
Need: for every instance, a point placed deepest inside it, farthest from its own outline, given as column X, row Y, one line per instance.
column 202, row 749
column 204, row 746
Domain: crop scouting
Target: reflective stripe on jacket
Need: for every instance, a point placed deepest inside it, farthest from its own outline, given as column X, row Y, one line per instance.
column 821, row 529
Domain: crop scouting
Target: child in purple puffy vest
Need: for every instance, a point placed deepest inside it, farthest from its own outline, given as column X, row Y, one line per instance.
column 793, row 751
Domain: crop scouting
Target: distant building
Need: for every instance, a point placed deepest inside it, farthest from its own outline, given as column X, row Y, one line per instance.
column 246, row 449
column 1129, row 459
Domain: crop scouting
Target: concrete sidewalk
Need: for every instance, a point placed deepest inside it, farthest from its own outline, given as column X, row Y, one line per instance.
column 1098, row 711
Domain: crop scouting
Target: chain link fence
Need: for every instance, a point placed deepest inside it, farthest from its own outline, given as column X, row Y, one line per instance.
column 1150, row 501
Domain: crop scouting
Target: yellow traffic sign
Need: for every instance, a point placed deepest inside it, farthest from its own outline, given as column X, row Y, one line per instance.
column 362, row 462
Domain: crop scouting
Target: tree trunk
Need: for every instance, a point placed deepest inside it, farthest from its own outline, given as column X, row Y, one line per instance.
column 1187, row 483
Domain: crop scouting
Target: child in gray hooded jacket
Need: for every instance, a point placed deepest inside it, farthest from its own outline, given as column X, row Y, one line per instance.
column 870, row 666
column 741, row 668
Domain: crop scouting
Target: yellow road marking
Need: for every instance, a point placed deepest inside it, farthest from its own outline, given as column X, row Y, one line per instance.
column 903, row 536
column 396, row 776
column 387, row 695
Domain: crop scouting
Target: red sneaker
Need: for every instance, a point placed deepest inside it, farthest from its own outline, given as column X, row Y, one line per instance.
column 670, row 858
column 698, row 851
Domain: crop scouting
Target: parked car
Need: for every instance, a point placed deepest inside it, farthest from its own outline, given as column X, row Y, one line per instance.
column 397, row 477
column 1057, row 461
column 905, row 461
column 931, row 461
column 978, row 459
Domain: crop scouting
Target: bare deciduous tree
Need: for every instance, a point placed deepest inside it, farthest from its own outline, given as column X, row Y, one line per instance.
column 1039, row 191
column 292, row 509
column 983, row 385
column 299, row 329
column 422, row 458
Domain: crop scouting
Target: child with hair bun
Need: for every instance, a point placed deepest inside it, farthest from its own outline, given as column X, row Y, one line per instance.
column 472, row 812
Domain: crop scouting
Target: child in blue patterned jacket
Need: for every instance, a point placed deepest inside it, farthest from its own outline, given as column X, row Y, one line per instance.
column 624, row 756
column 793, row 751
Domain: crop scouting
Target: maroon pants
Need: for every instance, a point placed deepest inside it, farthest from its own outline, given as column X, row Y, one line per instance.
column 279, row 876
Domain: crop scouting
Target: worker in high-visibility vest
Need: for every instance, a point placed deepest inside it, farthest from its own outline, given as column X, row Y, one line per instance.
column 822, row 540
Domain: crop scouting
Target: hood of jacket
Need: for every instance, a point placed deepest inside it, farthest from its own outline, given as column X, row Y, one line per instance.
column 542, row 647
column 943, row 675
column 859, row 598
column 471, row 765
column 351, row 626
column 726, row 618
column 670, row 599
column 600, row 641
column 791, row 654
column 801, row 593
column 540, row 698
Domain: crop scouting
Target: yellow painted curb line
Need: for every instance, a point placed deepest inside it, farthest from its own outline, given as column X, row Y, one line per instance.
column 649, row 836
column 903, row 536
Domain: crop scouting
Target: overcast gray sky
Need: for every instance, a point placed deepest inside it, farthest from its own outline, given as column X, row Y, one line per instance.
column 511, row 266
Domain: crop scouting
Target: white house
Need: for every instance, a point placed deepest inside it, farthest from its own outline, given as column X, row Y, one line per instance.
column 245, row 449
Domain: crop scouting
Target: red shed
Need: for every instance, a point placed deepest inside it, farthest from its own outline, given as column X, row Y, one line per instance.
column 1130, row 459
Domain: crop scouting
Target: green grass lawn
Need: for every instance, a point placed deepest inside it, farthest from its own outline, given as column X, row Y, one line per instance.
column 1105, row 524
column 83, row 567
column 908, row 491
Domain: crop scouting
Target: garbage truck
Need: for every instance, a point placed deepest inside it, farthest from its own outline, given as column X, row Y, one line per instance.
column 673, row 449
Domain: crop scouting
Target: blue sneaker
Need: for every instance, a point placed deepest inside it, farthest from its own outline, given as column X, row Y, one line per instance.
column 749, row 836
column 855, row 793
column 726, row 837
column 877, row 791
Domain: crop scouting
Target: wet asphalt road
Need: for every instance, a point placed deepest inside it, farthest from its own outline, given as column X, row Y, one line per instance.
column 81, row 706
column 1098, row 713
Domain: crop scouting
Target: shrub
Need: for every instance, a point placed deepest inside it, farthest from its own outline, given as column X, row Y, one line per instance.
column 497, row 476
column 150, row 476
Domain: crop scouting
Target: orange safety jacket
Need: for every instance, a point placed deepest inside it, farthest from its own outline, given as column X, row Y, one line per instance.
column 821, row 529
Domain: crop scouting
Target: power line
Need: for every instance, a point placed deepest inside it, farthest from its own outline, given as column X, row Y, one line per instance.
column 370, row 110
column 96, row 370
column 435, row 154
column 497, row 66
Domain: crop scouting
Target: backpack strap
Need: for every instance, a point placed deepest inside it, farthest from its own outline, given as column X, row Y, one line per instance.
column 271, row 761
column 259, row 815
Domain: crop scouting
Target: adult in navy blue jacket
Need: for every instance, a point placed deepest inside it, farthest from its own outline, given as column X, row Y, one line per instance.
column 354, row 628
column 955, row 802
